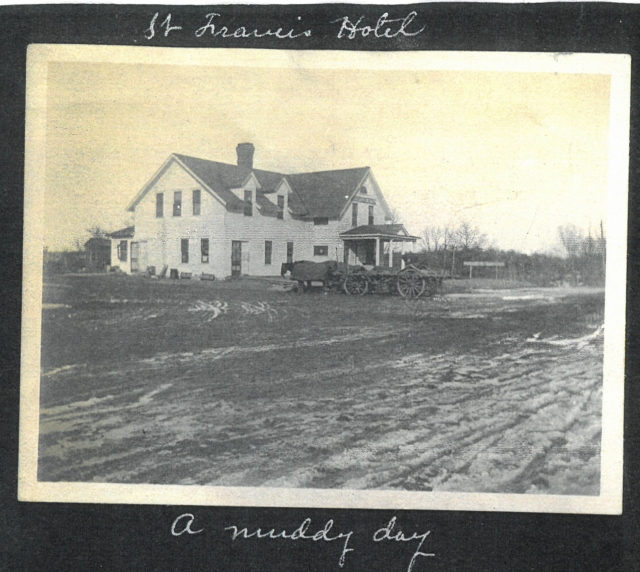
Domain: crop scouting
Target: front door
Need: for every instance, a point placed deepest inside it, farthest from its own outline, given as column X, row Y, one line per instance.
column 366, row 252
column 236, row 258
column 135, row 257
column 370, row 252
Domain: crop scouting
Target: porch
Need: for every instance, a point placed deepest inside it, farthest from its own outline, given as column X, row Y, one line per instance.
column 377, row 245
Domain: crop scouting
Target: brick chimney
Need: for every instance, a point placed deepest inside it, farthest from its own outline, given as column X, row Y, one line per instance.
column 245, row 155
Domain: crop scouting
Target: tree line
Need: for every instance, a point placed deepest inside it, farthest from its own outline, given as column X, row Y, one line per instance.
column 579, row 257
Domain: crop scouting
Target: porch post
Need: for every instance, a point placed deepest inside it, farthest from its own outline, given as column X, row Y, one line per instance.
column 377, row 252
column 402, row 264
column 390, row 253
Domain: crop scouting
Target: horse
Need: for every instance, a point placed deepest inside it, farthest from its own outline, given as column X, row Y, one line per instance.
column 305, row 272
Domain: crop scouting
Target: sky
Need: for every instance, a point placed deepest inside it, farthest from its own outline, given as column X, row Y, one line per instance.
column 517, row 154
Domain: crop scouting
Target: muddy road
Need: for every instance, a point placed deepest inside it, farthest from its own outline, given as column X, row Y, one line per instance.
column 245, row 384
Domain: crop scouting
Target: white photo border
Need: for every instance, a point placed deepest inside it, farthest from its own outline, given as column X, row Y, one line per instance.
column 617, row 66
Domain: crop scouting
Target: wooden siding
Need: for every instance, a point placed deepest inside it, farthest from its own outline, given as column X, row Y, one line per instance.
column 160, row 238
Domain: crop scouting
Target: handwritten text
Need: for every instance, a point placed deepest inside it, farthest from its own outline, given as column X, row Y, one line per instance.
column 384, row 27
column 299, row 533
column 387, row 534
column 184, row 524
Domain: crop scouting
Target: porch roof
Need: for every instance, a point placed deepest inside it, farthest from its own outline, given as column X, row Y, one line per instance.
column 123, row 233
column 382, row 231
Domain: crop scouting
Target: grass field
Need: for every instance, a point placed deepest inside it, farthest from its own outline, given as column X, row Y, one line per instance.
column 242, row 383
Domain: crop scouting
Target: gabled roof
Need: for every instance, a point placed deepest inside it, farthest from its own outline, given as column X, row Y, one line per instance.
column 321, row 194
column 395, row 231
column 325, row 193
column 314, row 193
column 222, row 177
column 123, row 233
column 267, row 208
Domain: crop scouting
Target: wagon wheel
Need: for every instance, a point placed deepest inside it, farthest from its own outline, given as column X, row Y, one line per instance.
column 355, row 285
column 411, row 283
column 431, row 287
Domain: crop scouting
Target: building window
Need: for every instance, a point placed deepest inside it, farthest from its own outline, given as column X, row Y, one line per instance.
column 159, row 205
column 184, row 249
column 280, row 206
column 248, row 204
column 363, row 190
column 289, row 252
column 204, row 250
column 268, row 248
column 320, row 220
column 354, row 214
column 321, row 250
column 122, row 251
column 177, row 203
column 196, row 202
column 371, row 215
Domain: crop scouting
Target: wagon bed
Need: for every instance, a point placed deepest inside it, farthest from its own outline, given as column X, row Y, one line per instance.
column 410, row 282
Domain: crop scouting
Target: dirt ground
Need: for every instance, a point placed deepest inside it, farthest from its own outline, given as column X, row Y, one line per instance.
column 245, row 384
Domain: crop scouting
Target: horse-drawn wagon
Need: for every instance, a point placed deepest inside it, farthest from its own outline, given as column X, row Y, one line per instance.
column 410, row 282
column 413, row 281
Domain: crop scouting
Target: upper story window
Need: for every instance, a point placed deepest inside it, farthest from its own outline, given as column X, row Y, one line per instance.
column 280, row 206
column 321, row 220
column 371, row 214
column 177, row 203
column 354, row 214
column 363, row 190
column 196, row 202
column 248, row 203
column 159, row 205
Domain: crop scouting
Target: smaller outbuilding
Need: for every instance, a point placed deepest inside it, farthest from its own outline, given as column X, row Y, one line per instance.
column 123, row 253
column 97, row 254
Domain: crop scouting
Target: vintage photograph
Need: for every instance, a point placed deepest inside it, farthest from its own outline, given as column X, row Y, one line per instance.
column 325, row 278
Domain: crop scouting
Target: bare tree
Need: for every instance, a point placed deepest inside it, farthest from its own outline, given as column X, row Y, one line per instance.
column 448, row 238
column 394, row 217
column 93, row 232
column 468, row 236
column 425, row 239
column 589, row 245
column 97, row 232
column 571, row 238
column 437, row 237
column 432, row 238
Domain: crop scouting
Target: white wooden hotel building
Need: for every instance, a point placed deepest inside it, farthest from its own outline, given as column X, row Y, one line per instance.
column 196, row 217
